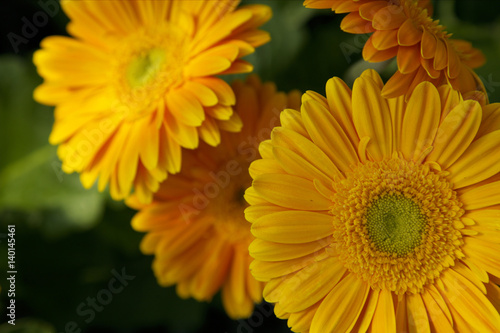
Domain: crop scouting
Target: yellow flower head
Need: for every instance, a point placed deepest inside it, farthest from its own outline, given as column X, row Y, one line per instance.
column 195, row 225
column 136, row 83
column 404, row 28
column 379, row 214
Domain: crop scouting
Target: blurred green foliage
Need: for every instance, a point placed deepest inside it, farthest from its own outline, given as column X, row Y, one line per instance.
column 69, row 240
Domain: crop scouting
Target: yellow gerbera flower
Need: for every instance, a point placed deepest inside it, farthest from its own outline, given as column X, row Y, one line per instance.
column 136, row 83
column 380, row 215
column 195, row 225
column 404, row 28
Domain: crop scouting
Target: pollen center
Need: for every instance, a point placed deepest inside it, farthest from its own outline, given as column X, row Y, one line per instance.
column 395, row 224
column 146, row 65
column 228, row 206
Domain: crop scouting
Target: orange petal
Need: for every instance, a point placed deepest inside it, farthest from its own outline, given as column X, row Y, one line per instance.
column 428, row 45
column 440, row 55
column 368, row 10
column 409, row 34
column 370, row 53
column 383, row 40
column 398, row 84
column 408, row 58
column 453, row 62
column 388, row 18
column 353, row 23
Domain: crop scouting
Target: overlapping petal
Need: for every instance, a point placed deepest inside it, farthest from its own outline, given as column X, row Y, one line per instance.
column 405, row 29
column 315, row 187
column 138, row 76
column 195, row 224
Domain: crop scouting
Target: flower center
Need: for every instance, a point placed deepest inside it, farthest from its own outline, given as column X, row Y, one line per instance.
column 146, row 65
column 228, row 206
column 421, row 18
column 396, row 224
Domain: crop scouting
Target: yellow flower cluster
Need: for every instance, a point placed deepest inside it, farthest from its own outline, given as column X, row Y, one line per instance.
column 371, row 209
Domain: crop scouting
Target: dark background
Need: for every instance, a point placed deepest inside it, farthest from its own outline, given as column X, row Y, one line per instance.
column 69, row 240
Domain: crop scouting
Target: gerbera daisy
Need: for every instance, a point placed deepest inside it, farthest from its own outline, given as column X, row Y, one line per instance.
column 404, row 28
column 136, row 83
column 371, row 214
column 195, row 225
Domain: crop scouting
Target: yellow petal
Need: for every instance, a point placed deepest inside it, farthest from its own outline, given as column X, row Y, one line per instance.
column 295, row 165
column 301, row 321
column 421, row 120
column 478, row 162
column 338, row 95
column 491, row 119
column 263, row 166
column 328, row 135
column 290, row 191
column 265, row 270
column 401, row 315
column 255, row 211
column 347, row 298
column 292, row 120
column 372, row 117
column 149, row 152
column 222, row 90
column 437, row 319
column 184, row 135
column 397, row 106
column 469, row 275
column 314, row 283
column 271, row 251
column 384, row 317
column 205, row 95
column 205, row 66
column 283, row 137
column 185, row 108
column 209, row 132
column 293, row 227
column 417, row 316
column 363, row 324
column 455, row 133
column 467, row 302
column 482, row 196
column 449, row 99
column 484, row 254
column 493, row 294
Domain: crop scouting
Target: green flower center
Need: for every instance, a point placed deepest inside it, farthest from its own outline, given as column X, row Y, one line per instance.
column 395, row 224
column 145, row 67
